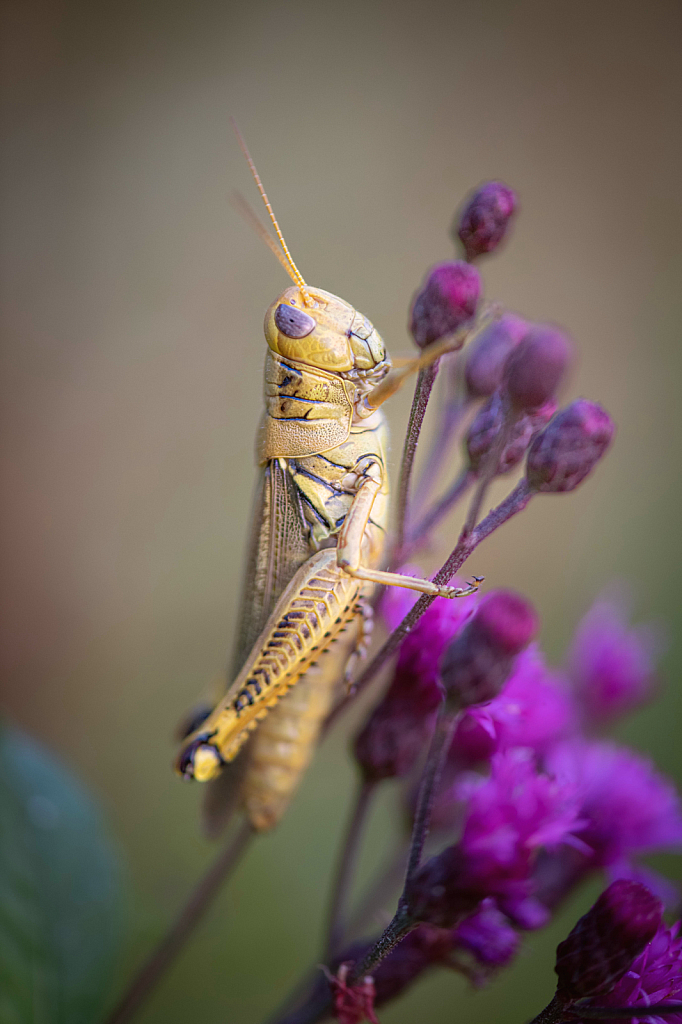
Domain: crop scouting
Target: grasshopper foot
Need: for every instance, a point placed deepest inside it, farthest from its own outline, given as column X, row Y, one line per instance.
column 470, row 588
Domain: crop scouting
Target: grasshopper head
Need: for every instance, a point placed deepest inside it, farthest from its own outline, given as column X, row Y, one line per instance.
column 326, row 333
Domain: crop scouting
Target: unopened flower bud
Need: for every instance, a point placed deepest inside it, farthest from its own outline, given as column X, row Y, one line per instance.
column 485, row 430
column 536, row 367
column 447, row 300
column 569, row 447
column 604, row 943
column 487, row 354
column 477, row 662
column 485, row 219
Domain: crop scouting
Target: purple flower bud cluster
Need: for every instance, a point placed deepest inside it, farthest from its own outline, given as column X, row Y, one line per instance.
column 487, row 426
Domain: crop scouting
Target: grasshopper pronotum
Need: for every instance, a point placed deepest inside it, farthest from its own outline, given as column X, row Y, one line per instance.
column 320, row 524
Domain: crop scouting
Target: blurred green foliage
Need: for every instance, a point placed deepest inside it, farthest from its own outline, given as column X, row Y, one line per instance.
column 60, row 900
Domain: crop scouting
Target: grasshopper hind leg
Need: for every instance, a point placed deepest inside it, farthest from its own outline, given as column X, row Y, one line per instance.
column 365, row 613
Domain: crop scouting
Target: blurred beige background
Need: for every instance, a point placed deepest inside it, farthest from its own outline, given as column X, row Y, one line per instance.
column 133, row 302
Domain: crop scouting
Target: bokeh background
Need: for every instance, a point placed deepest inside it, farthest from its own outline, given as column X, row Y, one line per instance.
column 133, row 300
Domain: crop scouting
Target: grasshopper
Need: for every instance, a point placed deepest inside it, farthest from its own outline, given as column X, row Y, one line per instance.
column 319, row 528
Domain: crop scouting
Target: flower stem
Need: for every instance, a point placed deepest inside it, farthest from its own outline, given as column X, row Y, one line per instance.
column 438, row 748
column 624, row 1012
column 422, row 393
column 490, row 470
column 452, row 416
column 553, row 1013
column 403, row 921
column 151, row 972
column 346, row 867
column 439, row 509
column 397, row 929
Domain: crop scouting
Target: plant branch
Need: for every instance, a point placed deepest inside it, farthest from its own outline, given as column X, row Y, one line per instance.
column 346, row 868
column 452, row 415
column 403, row 921
column 422, row 393
column 553, row 1013
column 437, row 511
column 201, row 897
column 490, row 469
column 624, row 1012
column 438, row 749
column 397, row 929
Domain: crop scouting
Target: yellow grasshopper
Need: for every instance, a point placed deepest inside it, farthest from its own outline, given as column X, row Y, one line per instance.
column 319, row 530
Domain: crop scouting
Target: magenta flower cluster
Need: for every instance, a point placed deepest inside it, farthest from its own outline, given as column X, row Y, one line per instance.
column 538, row 797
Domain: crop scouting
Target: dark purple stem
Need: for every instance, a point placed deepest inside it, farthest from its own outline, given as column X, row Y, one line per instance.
column 453, row 415
column 434, row 515
column 438, row 748
column 624, row 1012
column 422, row 392
column 402, row 923
column 175, row 938
column 552, row 1013
column 490, row 468
column 346, row 867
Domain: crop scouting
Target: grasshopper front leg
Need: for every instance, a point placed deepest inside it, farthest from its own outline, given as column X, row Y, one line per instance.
column 352, row 533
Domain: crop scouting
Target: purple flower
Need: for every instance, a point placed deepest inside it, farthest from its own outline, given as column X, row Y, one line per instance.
column 612, row 664
column 654, row 977
column 506, row 819
column 535, row 709
column 511, row 814
column 447, row 299
column 485, row 219
column 488, row 936
column 603, row 944
column 629, row 808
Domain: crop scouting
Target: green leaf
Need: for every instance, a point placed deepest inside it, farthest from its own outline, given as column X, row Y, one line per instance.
column 59, row 892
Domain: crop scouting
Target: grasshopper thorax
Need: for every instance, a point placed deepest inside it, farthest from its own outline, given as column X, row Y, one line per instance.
column 327, row 333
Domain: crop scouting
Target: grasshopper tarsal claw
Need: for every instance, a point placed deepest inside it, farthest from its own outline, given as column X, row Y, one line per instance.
column 470, row 588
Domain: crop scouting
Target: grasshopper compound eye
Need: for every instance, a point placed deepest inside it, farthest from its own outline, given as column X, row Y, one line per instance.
column 293, row 322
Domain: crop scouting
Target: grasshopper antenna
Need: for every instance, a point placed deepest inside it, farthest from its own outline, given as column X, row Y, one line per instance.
column 290, row 266
column 246, row 210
